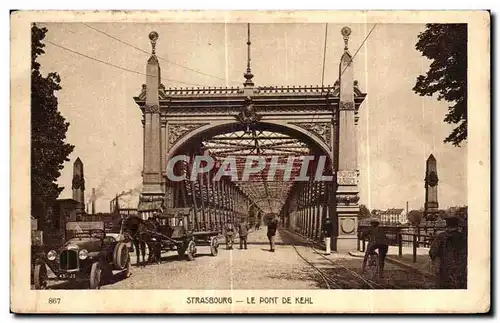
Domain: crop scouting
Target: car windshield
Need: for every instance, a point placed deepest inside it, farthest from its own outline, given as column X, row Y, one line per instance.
column 75, row 229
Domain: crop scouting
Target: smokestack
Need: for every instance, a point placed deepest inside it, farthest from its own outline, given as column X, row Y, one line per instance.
column 93, row 201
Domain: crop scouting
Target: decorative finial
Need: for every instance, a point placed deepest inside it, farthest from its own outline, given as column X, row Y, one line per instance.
column 248, row 75
column 346, row 32
column 153, row 37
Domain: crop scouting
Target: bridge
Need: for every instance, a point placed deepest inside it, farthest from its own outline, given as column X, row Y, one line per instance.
column 280, row 125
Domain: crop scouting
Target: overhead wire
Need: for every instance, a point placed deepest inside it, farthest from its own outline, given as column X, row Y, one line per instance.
column 324, row 56
column 350, row 61
column 147, row 52
column 111, row 64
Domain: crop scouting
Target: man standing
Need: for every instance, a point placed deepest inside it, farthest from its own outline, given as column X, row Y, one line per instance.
column 272, row 226
column 243, row 232
column 449, row 248
column 327, row 232
column 229, row 233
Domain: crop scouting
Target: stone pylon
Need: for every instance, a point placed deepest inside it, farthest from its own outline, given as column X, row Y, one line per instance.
column 347, row 209
column 78, row 186
column 152, row 195
column 431, row 206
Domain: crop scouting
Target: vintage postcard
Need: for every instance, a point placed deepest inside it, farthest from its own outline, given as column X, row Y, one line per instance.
column 250, row 162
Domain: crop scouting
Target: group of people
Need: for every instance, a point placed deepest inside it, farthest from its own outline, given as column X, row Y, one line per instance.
column 243, row 230
column 448, row 250
column 230, row 231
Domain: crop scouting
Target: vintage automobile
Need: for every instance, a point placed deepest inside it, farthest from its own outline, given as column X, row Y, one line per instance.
column 89, row 254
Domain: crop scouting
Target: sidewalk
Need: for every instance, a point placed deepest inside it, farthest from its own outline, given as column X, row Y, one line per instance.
column 423, row 265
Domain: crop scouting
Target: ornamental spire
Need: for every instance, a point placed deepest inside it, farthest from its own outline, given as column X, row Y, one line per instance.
column 153, row 37
column 346, row 32
column 248, row 75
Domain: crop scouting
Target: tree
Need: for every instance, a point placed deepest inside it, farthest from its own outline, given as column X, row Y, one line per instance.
column 415, row 217
column 48, row 131
column 363, row 211
column 446, row 46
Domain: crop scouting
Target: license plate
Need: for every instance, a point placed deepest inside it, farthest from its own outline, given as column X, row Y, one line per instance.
column 67, row 276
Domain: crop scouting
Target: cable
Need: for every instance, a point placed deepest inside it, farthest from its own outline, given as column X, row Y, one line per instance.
column 110, row 64
column 356, row 53
column 324, row 56
column 352, row 58
column 144, row 51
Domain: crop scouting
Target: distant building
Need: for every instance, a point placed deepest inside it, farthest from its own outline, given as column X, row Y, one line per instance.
column 393, row 216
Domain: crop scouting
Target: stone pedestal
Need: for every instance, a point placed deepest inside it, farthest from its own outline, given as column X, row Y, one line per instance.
column 347, row 238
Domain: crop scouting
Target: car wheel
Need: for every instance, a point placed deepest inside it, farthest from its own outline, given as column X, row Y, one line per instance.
column 95, row 276
column 120, row 256
column 214, row 246
column 40, row 276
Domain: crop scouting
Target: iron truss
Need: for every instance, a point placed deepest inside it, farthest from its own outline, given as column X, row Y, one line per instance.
column 269, row 194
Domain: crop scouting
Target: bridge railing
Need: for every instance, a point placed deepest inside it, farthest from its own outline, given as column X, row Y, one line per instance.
column 404, row 239
column 404, row 236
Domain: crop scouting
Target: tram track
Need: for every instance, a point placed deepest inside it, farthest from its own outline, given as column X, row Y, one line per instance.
column 326, row 280
column 336, row 265
column 372, row 284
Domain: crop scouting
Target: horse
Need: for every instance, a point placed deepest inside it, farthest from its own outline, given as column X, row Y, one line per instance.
column 141, row 233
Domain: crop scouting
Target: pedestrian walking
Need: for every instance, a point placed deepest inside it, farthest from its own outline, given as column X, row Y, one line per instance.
column 272, row 226
column 229, row 234
column 243, row 233
column 327, row 233
column 449, row 250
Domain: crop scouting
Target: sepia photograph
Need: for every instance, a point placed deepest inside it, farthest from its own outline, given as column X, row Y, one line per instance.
column 227, row 161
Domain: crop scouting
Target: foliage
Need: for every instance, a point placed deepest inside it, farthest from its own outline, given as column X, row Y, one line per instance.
column 48, row 131
column 415, row 217
column 446, row 46
column 363, row 211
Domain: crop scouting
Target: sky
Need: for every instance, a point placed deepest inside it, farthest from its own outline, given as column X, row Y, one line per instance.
column 397, row 129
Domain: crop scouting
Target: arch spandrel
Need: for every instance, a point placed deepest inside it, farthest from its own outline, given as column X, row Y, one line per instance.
column 316, row 134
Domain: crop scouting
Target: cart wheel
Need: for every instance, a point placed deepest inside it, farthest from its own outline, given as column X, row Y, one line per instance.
column 120, row 256
column 214, row 246
column 95, row 276
column 40, row 276
column 191, row 250
column 181, row 251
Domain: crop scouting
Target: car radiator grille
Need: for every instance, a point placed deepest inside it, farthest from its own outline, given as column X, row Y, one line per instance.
column 69, row 259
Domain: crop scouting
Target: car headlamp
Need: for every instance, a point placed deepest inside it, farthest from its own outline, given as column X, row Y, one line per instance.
column 51, row 255
column 83, row 254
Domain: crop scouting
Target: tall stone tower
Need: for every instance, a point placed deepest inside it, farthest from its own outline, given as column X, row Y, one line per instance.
column 347, row 208
column 431, row 206
column 153, row 183
column 78, row 186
